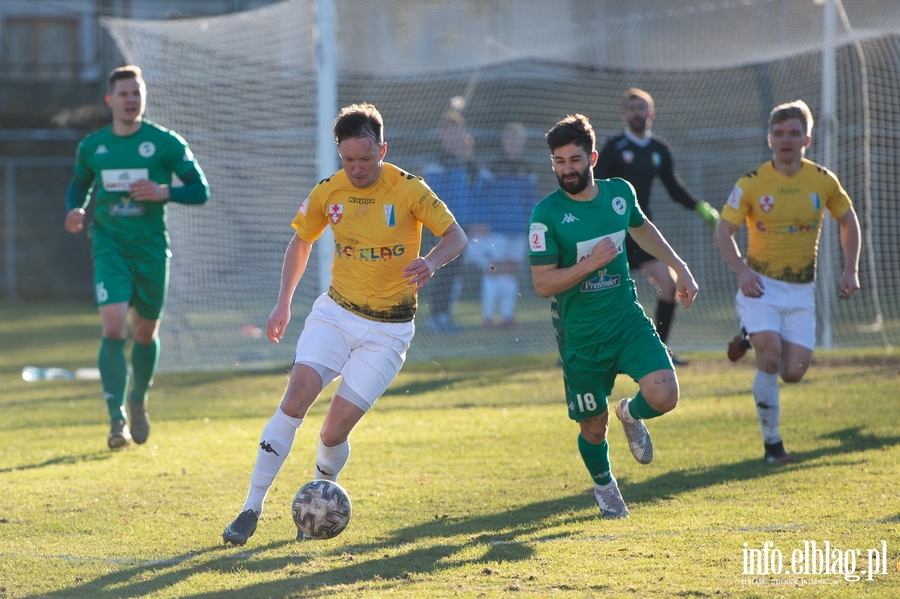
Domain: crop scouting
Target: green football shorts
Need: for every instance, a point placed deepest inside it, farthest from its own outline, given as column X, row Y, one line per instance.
column 141, row 283
column 590, row 372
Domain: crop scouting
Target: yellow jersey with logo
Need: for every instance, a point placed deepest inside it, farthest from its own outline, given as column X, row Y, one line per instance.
column 377, row 231
column 784, row 217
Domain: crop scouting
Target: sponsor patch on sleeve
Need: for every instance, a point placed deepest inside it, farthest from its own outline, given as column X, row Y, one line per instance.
column 734, row 200
column 537, row 237
column 304, row 206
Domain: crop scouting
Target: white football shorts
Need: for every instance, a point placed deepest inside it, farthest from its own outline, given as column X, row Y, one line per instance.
column 788, row 309
column 366, row 353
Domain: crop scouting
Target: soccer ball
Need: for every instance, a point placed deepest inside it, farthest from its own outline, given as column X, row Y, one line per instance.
column 321, row 509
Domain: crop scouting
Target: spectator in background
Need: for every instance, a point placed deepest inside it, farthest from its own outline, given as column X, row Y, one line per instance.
column 498, row 222
column 453, row 175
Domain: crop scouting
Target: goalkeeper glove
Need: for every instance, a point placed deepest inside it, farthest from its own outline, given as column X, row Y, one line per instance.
column 709, row 214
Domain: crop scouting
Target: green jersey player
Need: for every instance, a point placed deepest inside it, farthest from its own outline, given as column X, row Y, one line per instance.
column 576, row 236
column 131, row 164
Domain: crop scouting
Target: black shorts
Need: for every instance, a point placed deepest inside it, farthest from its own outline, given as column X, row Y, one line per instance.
column 636, row 254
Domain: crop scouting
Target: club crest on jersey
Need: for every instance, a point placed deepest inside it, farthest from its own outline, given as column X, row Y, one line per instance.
column 335, row 213
column 618, row 204
column 147, row 149
column 766, row 203
column 627, row 156
column 816, row 202
column 656, row 159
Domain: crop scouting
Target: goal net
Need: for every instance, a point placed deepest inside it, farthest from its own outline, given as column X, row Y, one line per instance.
column 241, row 89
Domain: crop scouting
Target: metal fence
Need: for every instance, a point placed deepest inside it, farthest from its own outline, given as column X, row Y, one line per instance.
column 40, row 259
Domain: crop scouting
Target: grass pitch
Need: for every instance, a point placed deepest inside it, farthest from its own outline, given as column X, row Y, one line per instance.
column 465, row 481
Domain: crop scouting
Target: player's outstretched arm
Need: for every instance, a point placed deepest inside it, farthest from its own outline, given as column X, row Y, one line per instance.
column 651, row 240
column 296, row 258
column 850, row 243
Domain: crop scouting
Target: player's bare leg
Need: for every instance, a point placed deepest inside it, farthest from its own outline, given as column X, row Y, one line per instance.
column 658, row 395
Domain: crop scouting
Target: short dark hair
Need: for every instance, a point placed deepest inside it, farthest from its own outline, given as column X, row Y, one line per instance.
column 359, row 120
column 792, row 110
column 574, row 129
column 129, row 71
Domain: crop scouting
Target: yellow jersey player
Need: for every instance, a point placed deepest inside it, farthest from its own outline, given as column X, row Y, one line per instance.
column 361, row 328
column 783, row 203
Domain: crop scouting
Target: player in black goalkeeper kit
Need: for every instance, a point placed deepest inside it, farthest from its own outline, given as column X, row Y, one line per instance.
column 637, row 157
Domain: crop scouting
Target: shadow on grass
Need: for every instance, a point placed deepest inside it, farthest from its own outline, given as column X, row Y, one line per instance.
column 389, row 562
column 851, row 440
column 68, row 459
column 423, row 549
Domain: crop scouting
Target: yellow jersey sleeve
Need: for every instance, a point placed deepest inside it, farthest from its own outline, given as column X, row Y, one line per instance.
column 784, row 217
column 377, row 232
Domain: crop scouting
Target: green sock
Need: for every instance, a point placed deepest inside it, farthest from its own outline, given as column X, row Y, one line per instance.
column 640, row 409
column 144, row 359
column 114, row 376
column 596, row 458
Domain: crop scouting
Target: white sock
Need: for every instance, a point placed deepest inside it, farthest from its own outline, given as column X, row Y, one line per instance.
column 331, row 460
column 274, row 447
column 765, row 393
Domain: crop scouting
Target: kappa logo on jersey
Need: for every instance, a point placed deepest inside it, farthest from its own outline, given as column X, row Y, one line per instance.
column 766, row 203
column 618, row 204
column 101, row 149
column 569, row 218
column 335, row 213
column 304, row 206
column 656, row 159
column 147, row 149
column 389, row 215
column 816, row 202
column 734, row 200
column 601, row 282
column 537, row 237
column 627, row 156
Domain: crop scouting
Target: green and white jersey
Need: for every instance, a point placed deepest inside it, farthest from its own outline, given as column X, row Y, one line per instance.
column 111, row 163
column 563, row 232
